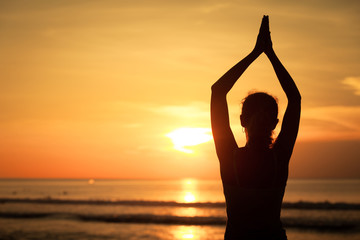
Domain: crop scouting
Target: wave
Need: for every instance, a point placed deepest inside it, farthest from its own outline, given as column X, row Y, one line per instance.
column 286, row 205
column 298, row 223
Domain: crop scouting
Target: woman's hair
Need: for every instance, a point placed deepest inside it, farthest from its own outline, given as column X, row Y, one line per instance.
column 259, row 117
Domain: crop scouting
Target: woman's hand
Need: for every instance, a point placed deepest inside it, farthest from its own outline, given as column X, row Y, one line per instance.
column 263, row 42
column 267, row 38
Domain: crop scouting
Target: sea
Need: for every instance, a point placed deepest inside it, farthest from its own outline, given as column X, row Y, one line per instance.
column 106, row 209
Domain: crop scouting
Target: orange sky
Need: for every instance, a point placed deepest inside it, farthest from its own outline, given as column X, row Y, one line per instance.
column 90, row 89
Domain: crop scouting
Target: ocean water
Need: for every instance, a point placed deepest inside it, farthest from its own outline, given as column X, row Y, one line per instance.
column 176, row 209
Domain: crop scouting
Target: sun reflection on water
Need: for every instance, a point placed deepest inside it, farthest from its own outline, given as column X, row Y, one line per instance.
column 197, row 232
column 189, row 191
column 187, row 211
column 185, row 232
column 188, row 236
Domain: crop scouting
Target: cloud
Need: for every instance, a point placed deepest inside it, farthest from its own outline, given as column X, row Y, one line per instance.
column 214, row 7
column 195, row 110
column 354, row 83
column 331, row 122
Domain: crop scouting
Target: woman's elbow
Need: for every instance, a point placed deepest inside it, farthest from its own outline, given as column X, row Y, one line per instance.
column 214, row 87
column 295, row 101
column 217, row 90
column 295, row 97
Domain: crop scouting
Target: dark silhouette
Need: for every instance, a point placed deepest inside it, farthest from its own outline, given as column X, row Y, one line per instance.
column 254, row 176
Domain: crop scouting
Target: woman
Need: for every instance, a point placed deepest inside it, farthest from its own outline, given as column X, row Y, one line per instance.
column 254, row 176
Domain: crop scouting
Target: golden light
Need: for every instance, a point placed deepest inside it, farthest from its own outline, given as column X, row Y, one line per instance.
column 188, row 181
column 187, row 211
column 186, row 137
column 185, row 232
column 188, row 236
column 189, row 197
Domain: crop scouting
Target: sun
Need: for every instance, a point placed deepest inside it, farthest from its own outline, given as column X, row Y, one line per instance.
column 187, row 136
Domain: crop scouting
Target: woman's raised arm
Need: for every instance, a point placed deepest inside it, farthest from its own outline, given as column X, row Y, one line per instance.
column 223, row 136
column 290, row 125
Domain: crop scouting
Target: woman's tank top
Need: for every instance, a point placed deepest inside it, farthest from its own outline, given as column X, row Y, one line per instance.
column 254, row 213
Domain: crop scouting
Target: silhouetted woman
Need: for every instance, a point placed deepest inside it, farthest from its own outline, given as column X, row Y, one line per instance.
column 254, row 176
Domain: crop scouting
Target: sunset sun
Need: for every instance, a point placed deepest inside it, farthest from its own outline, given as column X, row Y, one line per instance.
column 187, row 137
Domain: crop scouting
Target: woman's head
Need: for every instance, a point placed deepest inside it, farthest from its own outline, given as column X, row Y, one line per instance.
column 259, row 118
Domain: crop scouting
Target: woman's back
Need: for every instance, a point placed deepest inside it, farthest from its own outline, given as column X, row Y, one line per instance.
column 253, row 212
column 253, row 202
